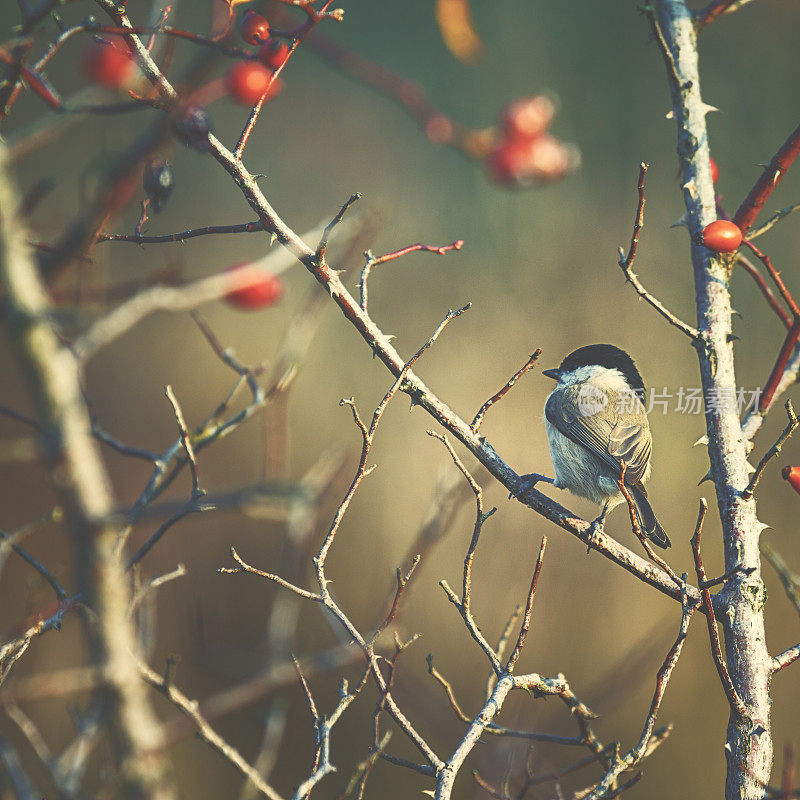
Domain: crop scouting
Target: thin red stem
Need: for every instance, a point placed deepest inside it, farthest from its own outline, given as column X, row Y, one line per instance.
column 776, row 277
column 770, row 178
column 775, row 376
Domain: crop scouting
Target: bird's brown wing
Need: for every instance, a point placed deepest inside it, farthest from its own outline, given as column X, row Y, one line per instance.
column 601, row 434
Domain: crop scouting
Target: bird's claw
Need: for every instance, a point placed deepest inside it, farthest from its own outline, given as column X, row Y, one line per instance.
column 595, row 529
column 530, row 480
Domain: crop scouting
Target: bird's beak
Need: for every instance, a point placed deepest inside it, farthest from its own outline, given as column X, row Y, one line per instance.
column 555, row 374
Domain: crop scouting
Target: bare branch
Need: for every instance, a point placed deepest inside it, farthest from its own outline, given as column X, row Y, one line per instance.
column 754, row 233
column 770, row 178
column 773, row 301
column 785, row 658
column 526, row 617
column 82, row 484
column 637, row 531
column 716, row 650
column 476, row 423
column 773, row 452
column 373, row 261
column 637, row 753
column 205, row 731
column 789, row 580
column 626, row 265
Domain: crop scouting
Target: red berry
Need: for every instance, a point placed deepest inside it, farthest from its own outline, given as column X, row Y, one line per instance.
column 255, row 28
column 248, row 80
column 792, row 474
column 518, row 161
column 273, row 53
column 528, row 117
column 253, row 288
column 714, row 171
column 109, row 64
column 722, row 236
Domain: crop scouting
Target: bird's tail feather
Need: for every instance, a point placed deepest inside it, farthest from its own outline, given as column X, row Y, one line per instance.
column 650, row 526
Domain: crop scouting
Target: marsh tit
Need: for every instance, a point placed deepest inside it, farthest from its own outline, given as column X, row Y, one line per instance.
column 595, row 421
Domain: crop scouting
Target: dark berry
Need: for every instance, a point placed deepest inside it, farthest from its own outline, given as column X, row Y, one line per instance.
column 158, row 182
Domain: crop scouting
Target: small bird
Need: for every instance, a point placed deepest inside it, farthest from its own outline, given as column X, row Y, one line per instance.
column 595, row 422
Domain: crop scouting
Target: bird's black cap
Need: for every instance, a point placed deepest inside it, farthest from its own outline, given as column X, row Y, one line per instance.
column 605, row 355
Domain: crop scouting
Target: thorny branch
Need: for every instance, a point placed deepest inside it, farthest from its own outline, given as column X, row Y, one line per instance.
column 773, row 452
column 626, row 265
column 716, row 650
column 476, row 423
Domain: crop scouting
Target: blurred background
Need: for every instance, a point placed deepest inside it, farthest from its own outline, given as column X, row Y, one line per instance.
column 539, row 266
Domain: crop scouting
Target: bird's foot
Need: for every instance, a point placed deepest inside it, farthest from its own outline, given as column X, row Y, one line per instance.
column 595, row 530
column 528, row 482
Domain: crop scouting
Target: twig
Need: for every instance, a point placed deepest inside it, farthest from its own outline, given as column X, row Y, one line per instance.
column 492, row 728
column 190, row 507
column 789, row 580
column 774, row 451
column 244, row 567
column 174, row 298
column 526, row 617
column 776, row 277
column 17, row 775
column 626, row 264
column 323, row 242
column 754, row 233
column 637, row 753
column 182, row 236
column 476, row 423
column 770, row 297
column 734, row 700
column 373, row 261
column 785, row 658
column 716, row 8
column 637, row 531
column 153, row 584
column 10, row 541
column 463, row 604
column 778, row 375
column 204, row 730
column 770, row 178
column 83, row 486
column 185, row 440
column 314, row 17
column 12, row 650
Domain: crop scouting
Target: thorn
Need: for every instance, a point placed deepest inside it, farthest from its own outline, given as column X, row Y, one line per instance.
column 777, row 176
column 272, row 238
column 707, row 109
column 681, row 221
column 702, row 440
column 691, row 187
column 670, row 114
column 762, row 526
column 706, row 477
